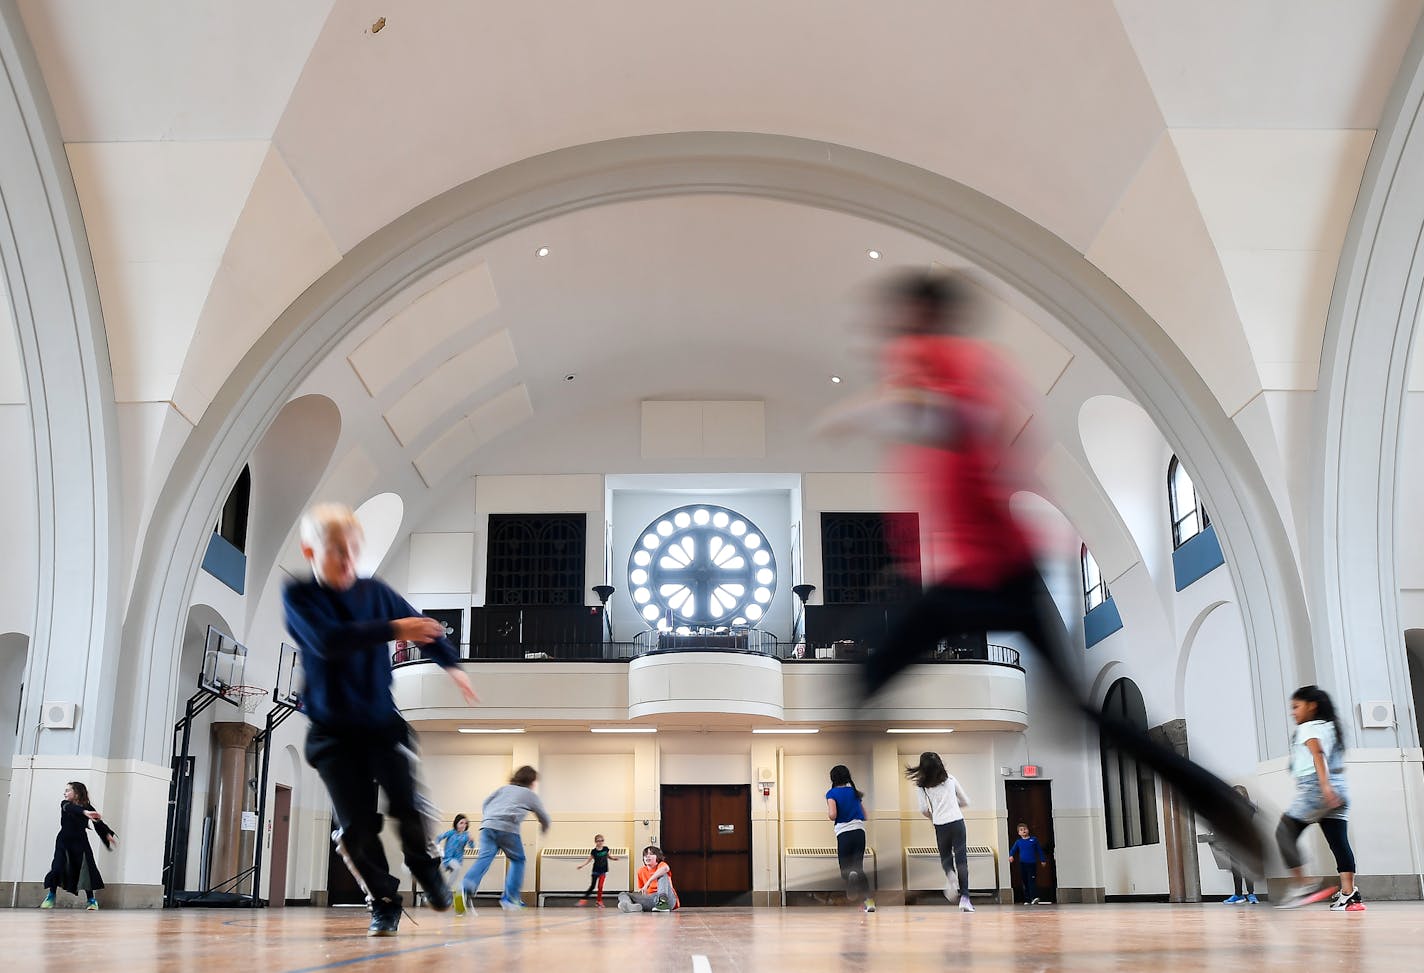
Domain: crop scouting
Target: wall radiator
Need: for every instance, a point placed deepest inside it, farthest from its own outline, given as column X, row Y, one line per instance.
column 923, row 872
column 817, row 870
column 559, row 871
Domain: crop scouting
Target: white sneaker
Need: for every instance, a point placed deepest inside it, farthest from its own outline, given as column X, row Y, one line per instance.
column 1035, row 902
column 965, row 905
column 626, row 903
column 951, row 889
column 509, row 906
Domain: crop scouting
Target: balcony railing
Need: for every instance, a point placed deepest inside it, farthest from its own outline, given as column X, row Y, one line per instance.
column 751, row 641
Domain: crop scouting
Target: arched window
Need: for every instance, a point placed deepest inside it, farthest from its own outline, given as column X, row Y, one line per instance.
column 1095, row 589
column 1188, row 515
column 232, row 520
column 1129, row 790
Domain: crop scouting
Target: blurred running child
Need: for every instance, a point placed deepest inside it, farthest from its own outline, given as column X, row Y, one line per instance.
column 847, row 812
column 357, row 740
column 1321, row 797
column 942, row 799
column 504, row 811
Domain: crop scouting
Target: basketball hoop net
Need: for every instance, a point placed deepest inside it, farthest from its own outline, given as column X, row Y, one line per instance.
column 246, row 696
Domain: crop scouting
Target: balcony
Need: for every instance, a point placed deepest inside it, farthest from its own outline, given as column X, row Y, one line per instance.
column 708, row 681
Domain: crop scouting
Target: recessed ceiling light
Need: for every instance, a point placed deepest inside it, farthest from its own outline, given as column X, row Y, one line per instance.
column 622, row 729
column 489, row 729
column 542, row 252
column 787, row 729
column 835, row 380
column 873, row 254
column 925, row 730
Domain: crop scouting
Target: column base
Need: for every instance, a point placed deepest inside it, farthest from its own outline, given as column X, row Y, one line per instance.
column 29, row 895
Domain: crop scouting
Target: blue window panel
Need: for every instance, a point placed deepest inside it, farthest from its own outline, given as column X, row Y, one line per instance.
column 1197, row 558
column 226, row 563
column 1101, row 622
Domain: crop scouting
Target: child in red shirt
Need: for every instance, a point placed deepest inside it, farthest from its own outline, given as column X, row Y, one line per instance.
column 655, row 892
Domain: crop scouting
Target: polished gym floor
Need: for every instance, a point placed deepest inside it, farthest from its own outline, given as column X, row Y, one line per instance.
column 1097, row 938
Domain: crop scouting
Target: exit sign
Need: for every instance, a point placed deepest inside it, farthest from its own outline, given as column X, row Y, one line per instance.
column 1030, row 770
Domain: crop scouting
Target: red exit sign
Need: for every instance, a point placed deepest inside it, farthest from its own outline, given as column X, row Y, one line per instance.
column 1030, row 770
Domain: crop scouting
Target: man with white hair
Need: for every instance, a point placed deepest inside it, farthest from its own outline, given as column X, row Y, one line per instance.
column 358, row 740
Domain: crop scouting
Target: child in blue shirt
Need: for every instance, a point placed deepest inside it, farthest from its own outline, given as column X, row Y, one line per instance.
column 357, row 741
column 454, row 842
column 1028, row 853
column 844, row 808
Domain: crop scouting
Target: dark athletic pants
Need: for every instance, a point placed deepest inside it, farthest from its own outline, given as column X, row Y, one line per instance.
column 1022, row 604
column 850, row 852
column 1336, row 835
column 353, row 766
column 952, row 840
column 1028, row 878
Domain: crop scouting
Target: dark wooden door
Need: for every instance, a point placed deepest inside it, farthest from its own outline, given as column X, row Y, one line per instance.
column 707, row 840
column 1031, row 801
column 341, row 886
column 281, row 833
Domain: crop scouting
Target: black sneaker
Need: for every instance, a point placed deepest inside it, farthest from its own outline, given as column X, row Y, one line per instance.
column 437, row 893
column 385, row 918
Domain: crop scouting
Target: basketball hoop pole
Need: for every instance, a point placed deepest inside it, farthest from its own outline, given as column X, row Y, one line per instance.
column 276, row 716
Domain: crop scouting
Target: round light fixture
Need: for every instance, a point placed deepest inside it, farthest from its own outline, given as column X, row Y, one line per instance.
column 872, row 254
column 835, row 380
column 542, row 252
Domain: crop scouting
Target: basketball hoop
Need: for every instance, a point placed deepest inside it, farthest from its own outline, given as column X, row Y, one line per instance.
column 246, row 696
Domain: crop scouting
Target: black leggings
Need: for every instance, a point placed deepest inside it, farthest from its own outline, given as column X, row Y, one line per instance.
column 1022, row 604
column 1336, row 836
column 1237, row 878
column 850, row 852
column 953, row 842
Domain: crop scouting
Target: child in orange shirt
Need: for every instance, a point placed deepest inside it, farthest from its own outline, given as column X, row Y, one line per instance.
column 655, row 892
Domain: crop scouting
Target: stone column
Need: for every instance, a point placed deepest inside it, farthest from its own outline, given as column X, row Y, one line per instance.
column 230, row 742
column 1178, row 824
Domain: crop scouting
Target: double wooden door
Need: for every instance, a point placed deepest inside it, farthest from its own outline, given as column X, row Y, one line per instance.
column 706, row 836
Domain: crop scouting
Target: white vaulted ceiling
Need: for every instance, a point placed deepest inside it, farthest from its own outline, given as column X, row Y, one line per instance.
column 1205, row 156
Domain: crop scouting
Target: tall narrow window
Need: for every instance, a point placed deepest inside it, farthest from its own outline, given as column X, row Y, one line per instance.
column 1129, row 789
column 1095, row 589
column 232, row 520
column 1188, row 515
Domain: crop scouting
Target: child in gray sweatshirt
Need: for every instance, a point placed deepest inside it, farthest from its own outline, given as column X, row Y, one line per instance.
column 504, row 811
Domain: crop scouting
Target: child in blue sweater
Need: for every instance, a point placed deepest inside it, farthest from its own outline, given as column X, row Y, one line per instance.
column 357, row 741
column 1028, row 853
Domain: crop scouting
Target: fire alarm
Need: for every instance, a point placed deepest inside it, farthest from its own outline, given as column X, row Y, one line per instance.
column 1030, row 770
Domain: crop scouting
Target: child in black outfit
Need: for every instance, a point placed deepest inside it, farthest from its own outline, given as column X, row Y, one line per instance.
column 358, row 741
column 73, row 867
column 599, row 857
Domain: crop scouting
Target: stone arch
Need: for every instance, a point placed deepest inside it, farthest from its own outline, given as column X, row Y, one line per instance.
column 54, row 302
column 1365, row 362
column 287, row 465
column 1004, row 243
column 1179, row 684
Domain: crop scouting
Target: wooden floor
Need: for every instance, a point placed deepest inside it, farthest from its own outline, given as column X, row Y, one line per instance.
column 1153, row 938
